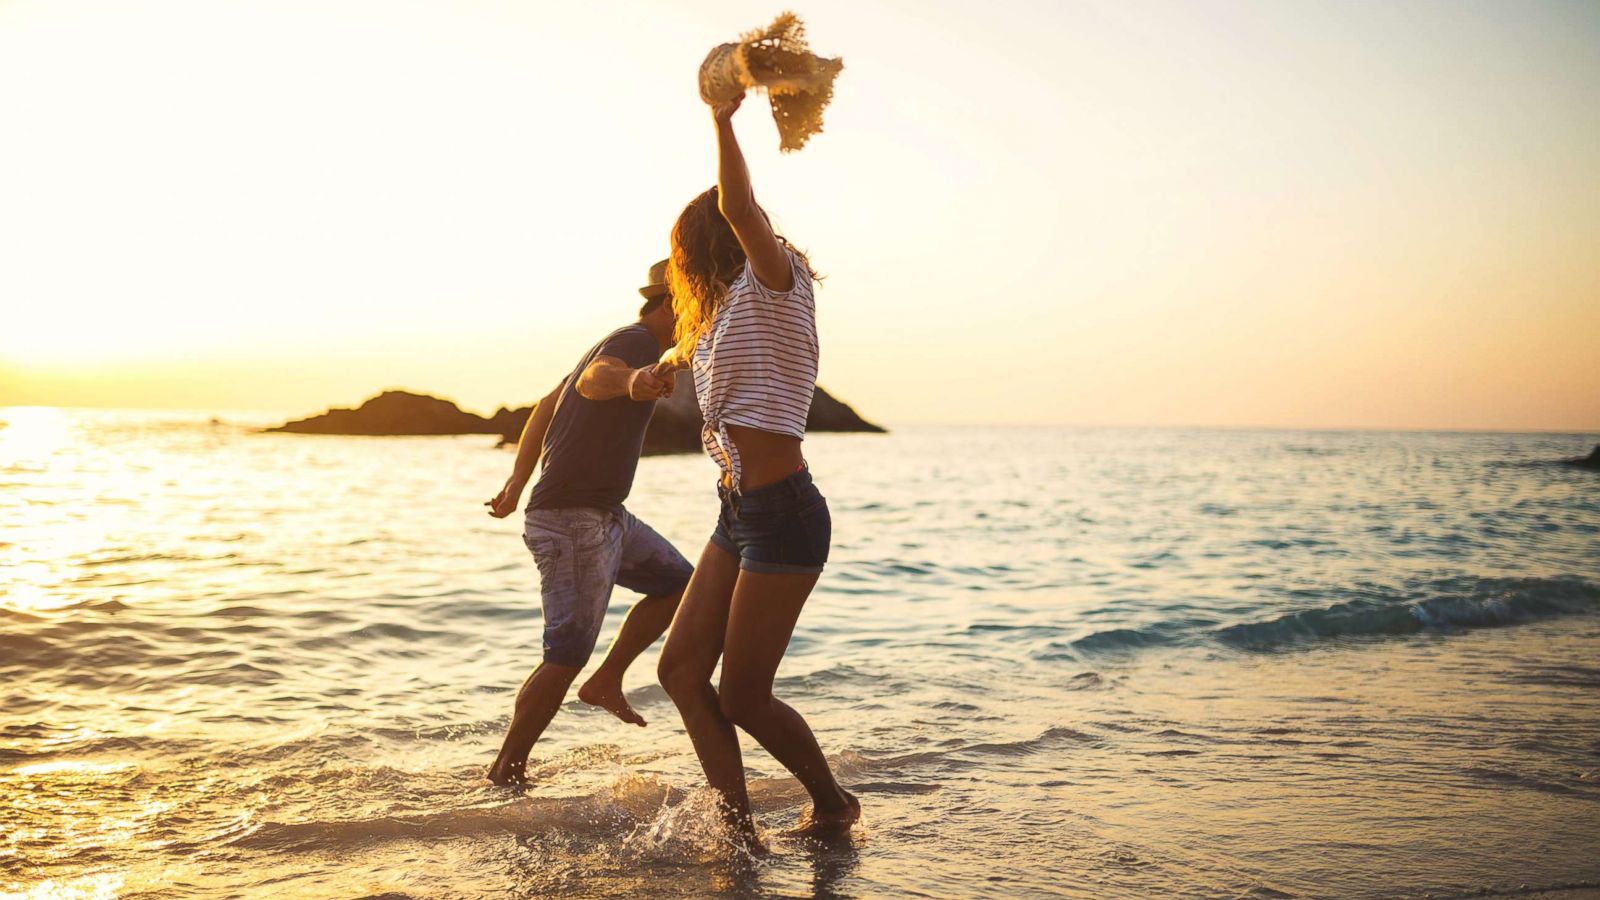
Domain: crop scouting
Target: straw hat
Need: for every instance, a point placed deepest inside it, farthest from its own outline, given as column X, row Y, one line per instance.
column 723, row 75
column 658, row 282
column 777, row 60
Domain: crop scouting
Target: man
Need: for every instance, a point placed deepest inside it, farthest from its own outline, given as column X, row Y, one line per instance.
column 589, row 432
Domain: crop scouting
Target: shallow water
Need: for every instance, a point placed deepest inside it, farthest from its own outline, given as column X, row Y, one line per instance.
column 1067, row 662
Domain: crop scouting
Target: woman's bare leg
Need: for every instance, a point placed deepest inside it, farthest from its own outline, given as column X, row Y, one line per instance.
column 687, row 661
column 761, row 618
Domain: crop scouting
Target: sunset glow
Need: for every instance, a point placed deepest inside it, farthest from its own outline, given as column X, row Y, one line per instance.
column 1293, row 214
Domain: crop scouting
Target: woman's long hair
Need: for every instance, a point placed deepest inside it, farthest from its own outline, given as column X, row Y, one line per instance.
column 706, row 258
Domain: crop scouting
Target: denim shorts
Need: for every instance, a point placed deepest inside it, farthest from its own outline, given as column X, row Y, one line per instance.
column 778, row 528
column 581, row 553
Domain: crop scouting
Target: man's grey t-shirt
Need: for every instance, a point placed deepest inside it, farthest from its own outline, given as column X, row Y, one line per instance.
column 591, row 450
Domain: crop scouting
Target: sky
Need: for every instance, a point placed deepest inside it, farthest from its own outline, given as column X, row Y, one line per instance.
column 1287, row 214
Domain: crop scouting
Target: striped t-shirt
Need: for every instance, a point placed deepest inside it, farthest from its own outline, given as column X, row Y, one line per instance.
column 757, row 364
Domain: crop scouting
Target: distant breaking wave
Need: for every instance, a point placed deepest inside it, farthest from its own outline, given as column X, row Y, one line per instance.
column 1446, row 605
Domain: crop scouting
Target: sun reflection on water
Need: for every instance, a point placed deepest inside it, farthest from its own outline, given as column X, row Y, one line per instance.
column 72, row 767
column 31, row 432
column 31, row 436
column 25, row 588
column 100, row 886
column 63, row 521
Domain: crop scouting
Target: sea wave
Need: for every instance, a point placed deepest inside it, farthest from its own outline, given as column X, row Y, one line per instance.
column 1443, row 605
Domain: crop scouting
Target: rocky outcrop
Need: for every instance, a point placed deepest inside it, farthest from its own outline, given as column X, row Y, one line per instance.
column 507, row 421
column 394, row 413
column 675, row 428
column 829, row 413
column 1592, row 461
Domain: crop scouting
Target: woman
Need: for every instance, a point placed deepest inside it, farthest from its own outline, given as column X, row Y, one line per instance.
column 746, row 325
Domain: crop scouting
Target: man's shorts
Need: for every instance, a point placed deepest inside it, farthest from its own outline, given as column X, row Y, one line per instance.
column 582, row 552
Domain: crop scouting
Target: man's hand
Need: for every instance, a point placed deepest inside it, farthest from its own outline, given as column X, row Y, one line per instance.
column 647, row 384
column 505, row 502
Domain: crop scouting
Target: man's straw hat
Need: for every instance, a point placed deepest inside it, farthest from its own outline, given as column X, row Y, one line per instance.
column 658, row 282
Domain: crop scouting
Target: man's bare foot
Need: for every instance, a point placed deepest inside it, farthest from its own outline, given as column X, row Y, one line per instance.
column 606, row 693
column 828, row 824
column 508, row 774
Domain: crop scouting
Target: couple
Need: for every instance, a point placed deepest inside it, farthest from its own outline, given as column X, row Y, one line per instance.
column 733, row 305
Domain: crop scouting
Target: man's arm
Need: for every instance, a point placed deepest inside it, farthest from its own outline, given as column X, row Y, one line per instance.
column 528, row 448
column 608, row 378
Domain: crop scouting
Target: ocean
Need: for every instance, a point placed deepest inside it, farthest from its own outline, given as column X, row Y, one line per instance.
column 1068, row 662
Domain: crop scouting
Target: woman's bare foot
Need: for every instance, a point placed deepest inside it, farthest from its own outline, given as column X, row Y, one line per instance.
column 830, row 823
column 742, row 831
column 508, row 774
column 606, row 692
column 751, row 844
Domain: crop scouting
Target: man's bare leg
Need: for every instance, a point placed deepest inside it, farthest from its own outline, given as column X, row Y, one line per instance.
column 647, row 621
column 537, row 702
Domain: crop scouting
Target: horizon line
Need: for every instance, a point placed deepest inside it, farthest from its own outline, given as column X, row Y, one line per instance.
column 215, row 411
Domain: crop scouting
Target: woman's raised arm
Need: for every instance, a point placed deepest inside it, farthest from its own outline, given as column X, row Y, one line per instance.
column 737, row 200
